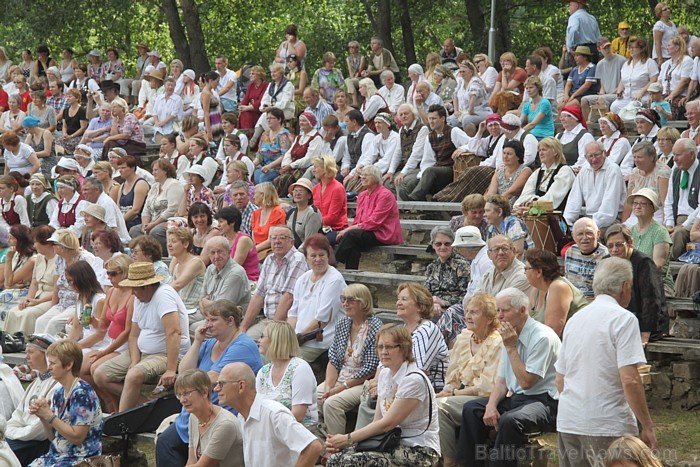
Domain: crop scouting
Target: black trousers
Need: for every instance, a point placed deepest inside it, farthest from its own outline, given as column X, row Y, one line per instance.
column 27, row 451
column 351, row 246
column 520, row 415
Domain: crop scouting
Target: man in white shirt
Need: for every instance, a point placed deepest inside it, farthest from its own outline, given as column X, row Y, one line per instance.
column 93, row 192
column 286, row 441
column 227, row 84
column 681, row 203
column 442, row 141
column 510, row 125
column 601, row 392
column 394, row 94
column 158, row 340
column 412, row 135
column 692, row 113
column 361, row 149
column 599, row 190
column 167, row 110
column 533, row 67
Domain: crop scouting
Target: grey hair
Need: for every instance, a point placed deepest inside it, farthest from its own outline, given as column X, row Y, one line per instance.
column 219, row 241
column 510, row 240
column 16, row 97
column 610, row 274
column 597, row 144
column 177, row 61
column 517, row 297
column 384, row 74
column 413, row 110
column 688, row 145
column 693, row 103
column 646, row 147
column 374, row 172
column 94, row 183
column 444, row 230
column 239, row 184
column 353, row 44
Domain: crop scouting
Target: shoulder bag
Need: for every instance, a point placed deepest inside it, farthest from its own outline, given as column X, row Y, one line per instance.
column 387, row 442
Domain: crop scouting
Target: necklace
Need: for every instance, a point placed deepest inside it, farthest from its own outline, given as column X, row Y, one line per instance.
column 386, row 403
column 211, row 414
column 476, row 340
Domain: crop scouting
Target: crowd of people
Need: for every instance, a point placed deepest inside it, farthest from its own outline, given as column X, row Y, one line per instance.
column 214, row 273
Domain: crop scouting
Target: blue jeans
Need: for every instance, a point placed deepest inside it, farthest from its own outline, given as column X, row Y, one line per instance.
column 261, row 177
column 229, row 105
column 170, row 449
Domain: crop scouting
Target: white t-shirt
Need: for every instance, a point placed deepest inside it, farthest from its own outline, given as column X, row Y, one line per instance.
column 225, row 79
column 148, row 317
column 668, row 32
column 598, row 341
column 89, row 331
column 412, row 386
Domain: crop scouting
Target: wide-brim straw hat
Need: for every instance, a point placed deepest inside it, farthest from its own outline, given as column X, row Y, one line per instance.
column 141, row 274
column 96, row 211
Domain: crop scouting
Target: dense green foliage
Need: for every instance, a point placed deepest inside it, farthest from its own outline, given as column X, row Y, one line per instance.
column 250, row 31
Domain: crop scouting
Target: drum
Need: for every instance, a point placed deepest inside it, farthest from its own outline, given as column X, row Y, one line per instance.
column 541, row 233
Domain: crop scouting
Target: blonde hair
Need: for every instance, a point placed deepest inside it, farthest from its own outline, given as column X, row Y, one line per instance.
column 327, row 163
column 184, row 235
column 420, row 295
column 277, row 67
column 283, row 340
column 554, row 145
column 120, row 262
column 631, row 449
column 67, row 351
column 487, row 304
column 362, row 294
column 473, row 201
column 369, row 85
column 509, row 57
column 241, row 167
column 484, row 57
column 103, row 165
column 270, row 197
column 401, row 337
column 68, row 239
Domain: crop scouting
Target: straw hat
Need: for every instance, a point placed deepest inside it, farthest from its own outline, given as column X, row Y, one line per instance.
column 647, row 193
column 96, row 211
column 141, row 274
column 302, row 182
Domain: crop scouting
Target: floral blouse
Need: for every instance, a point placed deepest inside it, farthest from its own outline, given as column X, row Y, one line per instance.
column 478, row 369
column 205, row 196
column 297, row 386
column 131, row 126
column 271, row 150
column 448, row 280
column 82, row 408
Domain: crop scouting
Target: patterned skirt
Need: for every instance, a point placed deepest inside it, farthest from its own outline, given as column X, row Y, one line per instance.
column 415, row 456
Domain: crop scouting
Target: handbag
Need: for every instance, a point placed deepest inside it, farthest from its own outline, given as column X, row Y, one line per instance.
column 100, row 461
column 316, row 334
column 387, row 442
column 12, row 343
column 628, row 112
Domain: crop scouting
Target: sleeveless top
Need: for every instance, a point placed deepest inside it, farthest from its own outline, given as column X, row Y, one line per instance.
column 66, row 219
column 578, row 301
column 443, row 147
column 10, row 216
column 355, row 145
column 192, row 292
column 251, row 263
column 126, row 202
column 504, row 183
column 37, row 211
column 570, row 149
column 66, row 72
column 117, row 321
column 539, row 192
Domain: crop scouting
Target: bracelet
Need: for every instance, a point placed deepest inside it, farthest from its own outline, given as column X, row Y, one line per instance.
column 350, row 439
column 345, row 384
column 53, row 417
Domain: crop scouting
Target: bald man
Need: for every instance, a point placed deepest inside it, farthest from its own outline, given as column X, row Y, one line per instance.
column 582, row 258
column 287, row 442
column 423, row 98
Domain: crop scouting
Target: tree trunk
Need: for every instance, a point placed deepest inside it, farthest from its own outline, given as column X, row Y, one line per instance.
column 477, row 24
column 383, row 29
column 198, row 51
column 407, row 28
column 503, row 38
column 177, row 32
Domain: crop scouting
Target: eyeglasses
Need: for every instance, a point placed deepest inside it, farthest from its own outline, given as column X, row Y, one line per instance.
column 640, row 204
column 528, row 268
column 221, row 383
column 666, row 9
column 279, row 237
column 596, row 155
column 349, row 300
column 184, row 394
column 498, row 249
column 439, row 244
column 615, row 246
column 478, row 61
column 113, row 273
column 388, row 347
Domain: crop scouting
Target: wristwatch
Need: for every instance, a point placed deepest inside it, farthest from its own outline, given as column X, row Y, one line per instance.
column 345, row 384
column 352, row 443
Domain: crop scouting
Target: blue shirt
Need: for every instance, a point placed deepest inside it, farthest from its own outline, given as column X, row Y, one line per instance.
column 581, row 29
column 578, row 79
column 242, row 349
column 546, row 126
column 666, row 106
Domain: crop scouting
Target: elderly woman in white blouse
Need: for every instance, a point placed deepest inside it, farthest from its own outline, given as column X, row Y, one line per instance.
column 470, row 99
column 615, row 142
column 551, row 182
column 386, row 141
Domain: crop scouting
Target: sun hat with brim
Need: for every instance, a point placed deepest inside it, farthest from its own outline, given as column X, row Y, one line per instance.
column 94, row 53
column 653, row 87
column 468, row 237
column 140, row 275
column 623, row 25
column 56, row 238
column 155, row 75
column 583, row 50
column 142, row 45
column 647, row 193
column 154, row 53
column 204, row 172
column 109, row 84
column 302, row 182
column 96, row 211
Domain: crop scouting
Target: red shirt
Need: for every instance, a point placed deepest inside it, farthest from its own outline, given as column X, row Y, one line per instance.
column 26, row 98
column 333, row 204
column 378, row 212
column 3, row 100
column 520, row 75
column 262, row 232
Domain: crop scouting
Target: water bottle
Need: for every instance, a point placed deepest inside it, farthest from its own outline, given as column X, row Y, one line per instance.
column 86, row 315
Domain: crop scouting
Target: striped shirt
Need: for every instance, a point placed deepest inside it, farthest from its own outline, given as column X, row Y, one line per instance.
column 276, row 280
column 579, row 268
column 431, row 353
